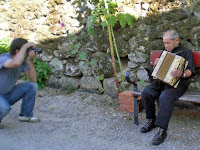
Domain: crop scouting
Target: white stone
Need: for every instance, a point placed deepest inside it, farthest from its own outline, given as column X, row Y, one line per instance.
column 145, row 6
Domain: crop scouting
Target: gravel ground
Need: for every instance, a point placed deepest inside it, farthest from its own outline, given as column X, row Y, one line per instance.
column 89, row 121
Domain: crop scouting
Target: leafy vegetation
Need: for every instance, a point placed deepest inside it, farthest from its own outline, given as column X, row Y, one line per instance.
column 43, row 70
column 4, row 45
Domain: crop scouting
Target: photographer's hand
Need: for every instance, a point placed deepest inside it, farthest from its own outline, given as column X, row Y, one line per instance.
column 31, row 55
column 28, row 45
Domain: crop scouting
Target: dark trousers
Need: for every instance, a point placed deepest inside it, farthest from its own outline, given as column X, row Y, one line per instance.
column 166, row 96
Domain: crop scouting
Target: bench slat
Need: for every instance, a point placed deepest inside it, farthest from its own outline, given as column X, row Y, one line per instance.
column 187, row 97
column 190, row 97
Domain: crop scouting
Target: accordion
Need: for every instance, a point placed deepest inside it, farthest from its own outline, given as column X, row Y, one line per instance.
column 167, row 62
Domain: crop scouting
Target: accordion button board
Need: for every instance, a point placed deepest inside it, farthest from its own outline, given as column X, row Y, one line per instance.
column 167, row 62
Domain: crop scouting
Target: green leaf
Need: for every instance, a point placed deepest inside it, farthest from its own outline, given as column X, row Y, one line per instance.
column 101, row 2
column 90, row 24
column 112, row 10
column 71, row 45
column 83, row 56
column 94, row 62
column 74, row 136
column 146, row 38
column 102, row 77
column 85, row 65
column 104, row 11
column 111, row 21
column 129, row 19
column 103, row 24
column 101, row 88
column 141, row 82
column 122, row 19
column 98, row 78
column 126, row 18
column 77, row 45
column 108, row 50
column 74, row 51
column 112, row 4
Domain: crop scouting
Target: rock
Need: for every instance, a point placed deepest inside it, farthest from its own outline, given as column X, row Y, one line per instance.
column 89, row 83
column 86, row 70
column 110, row 87
column 142, row 75
column 72, row 70
column 132, row 65
column 104, row 64
column 138, row 57
column 69, row 84
column 57, row 66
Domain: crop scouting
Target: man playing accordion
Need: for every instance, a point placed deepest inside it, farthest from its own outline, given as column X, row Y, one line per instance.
column 165, row 93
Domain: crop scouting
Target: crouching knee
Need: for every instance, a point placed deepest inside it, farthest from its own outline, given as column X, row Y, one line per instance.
column 4, row 110
column 33, row 86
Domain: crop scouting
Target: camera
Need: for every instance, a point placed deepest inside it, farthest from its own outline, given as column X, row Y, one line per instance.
column 38, row 50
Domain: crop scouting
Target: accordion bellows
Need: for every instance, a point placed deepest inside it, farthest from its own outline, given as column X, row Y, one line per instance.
column 167, row 62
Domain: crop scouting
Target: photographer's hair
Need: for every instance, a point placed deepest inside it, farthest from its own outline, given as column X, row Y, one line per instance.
column 16, row 44
column 172, row 34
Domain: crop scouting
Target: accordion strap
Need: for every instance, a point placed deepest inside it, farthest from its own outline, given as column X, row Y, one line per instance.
column 178, row 52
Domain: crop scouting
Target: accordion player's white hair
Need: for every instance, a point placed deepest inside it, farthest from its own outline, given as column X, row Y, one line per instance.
column 172, row 34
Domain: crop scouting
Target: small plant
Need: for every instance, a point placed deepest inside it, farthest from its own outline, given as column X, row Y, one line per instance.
column 4, row 45
column 43, row 70
column 70, row 88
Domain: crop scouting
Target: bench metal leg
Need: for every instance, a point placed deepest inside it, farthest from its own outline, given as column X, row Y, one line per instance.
column 136, row 111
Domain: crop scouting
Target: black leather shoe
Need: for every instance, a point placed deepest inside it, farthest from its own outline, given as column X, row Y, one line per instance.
column 148, row 127
column 159, row 137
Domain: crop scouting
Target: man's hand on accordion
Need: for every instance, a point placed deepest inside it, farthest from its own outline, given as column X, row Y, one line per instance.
column 176, row 73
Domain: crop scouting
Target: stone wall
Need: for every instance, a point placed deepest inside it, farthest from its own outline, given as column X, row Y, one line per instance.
column 59, row 26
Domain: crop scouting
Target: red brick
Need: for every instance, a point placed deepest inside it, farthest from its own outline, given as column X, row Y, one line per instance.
column 126, row 101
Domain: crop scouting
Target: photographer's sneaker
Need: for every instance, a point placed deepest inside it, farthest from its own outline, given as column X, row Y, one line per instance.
column 29, row 119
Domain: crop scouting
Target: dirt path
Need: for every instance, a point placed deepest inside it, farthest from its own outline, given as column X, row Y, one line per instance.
column 86, row 121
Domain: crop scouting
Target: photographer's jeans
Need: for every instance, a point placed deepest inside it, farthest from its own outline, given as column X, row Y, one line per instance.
column 25, row 91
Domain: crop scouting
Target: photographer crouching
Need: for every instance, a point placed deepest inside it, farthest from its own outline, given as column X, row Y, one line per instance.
column 12, row 64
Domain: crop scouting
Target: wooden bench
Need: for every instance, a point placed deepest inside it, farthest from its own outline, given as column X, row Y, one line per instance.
column 187, row 97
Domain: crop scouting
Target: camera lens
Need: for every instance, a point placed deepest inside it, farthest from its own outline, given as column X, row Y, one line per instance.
column 39, row 50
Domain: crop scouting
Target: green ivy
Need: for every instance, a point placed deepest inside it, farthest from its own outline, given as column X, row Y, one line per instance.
column 43, row 70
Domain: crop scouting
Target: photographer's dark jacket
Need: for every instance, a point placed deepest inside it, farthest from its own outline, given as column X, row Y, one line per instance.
column 9, row 76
